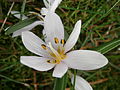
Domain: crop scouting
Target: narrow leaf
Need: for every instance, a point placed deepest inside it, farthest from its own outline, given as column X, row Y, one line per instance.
column 20, row 25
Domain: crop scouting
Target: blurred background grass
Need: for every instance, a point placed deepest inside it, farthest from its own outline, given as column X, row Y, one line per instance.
column 100, row 24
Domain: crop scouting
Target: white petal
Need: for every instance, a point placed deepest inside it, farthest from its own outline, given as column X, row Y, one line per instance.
column 60, row 70
column 37, row 63
column 53, row 28
column 17, row 15
column 46, row 3
column 51, row 1
column 118, row 48
column 55, row 5
column 27, row 28
column 81, row 84
column 33, row 43
column 73, row 37
column 85, row 60
column 44, row 11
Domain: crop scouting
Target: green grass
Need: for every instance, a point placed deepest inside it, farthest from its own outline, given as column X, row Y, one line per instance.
column 100, row 24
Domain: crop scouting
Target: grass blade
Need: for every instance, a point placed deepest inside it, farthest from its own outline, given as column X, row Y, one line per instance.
column 108, row 46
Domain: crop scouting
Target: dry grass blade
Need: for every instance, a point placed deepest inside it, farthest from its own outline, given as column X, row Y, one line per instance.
column 7, row 16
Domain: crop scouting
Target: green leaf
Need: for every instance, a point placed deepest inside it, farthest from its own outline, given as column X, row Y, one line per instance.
column 20, row 25
column 108, row 46
column 60, row 83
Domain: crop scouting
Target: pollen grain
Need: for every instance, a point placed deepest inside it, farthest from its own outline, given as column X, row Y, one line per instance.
column 44, row 46
column 56, row 40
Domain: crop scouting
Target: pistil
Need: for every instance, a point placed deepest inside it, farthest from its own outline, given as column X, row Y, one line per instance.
column 58, row 57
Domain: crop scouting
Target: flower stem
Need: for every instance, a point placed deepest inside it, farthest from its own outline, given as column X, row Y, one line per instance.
column 75, row 72
column 60, row 83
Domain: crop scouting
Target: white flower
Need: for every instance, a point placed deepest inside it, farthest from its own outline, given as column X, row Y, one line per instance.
column 17, row 15
column 81, row 84
column 51, row 5
column 54, row 51
column 27, row 28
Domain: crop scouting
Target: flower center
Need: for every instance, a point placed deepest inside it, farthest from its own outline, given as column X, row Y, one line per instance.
column 58, row 55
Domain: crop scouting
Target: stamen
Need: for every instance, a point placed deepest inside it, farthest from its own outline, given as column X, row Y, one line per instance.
column 56, row 40
column 52, row 54
column 58, row 55
column 44, row 46
column 54, row 61
column 61, row 52
column 48, row 61
column 55, row 52
column 62, row 41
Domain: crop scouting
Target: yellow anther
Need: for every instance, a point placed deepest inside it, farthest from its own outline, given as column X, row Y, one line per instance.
column 62, row 41
column 44, row 46
column 48, row 61
column 56, row 40
column 54, row 61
